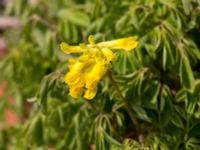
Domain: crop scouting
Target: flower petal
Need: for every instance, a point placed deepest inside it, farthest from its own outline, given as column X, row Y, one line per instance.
column 90, row 93
column 74, row 73
column 70, row 49
column 75, row 91
column 97, row 72
column 108, row 54
column 123, row 43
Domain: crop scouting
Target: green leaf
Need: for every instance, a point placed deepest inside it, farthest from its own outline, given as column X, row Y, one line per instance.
column 176, row 120
column 187, row 6
column 166, row 108
column 192, row 144
column 39, row 38
column 75, row 35
column 53, row 119
column 77, row 132
column 111, row 140
column 141, row 113
column 36, row 130
column 186, row 74
column 181, row 112
column 151, row 94
column 191, row 104
column 42, row 98
column 196, row 88
column 168, row 59
column 132, row 144
column 164, row 59
column 194, row 130
column 95, row 26
column 66, row 29
column 181, row 95
column 75, row 16
column 61, row 116
column 134, row 20
column 119, row 119
column 121, row 22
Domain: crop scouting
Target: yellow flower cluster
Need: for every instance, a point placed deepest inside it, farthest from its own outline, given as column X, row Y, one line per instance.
column 87, row 70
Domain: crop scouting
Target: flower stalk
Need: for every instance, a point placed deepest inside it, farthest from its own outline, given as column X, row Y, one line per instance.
column 128, row 109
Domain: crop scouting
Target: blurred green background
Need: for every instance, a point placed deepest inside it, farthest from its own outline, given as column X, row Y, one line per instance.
column 159, row 80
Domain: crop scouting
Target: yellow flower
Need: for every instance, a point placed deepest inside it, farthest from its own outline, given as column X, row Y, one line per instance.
column 70, row 49
column 128, row 43
column 97, row 72
column 74, row 73
column 75, row 91
column 86, row 71
column 123, row 43
column 76, row 88
column 108, row 54
column 90, row 93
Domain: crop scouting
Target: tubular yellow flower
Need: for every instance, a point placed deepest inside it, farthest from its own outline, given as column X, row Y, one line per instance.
column 108, row 54
column 123, row 43
column 74, row 73
column 97, row 72
column 75, row 91
column 86, row 71
column 90, row 93
column 70, row 49
column 76, row 87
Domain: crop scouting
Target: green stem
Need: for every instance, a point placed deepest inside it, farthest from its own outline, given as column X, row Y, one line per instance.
column 128, row 109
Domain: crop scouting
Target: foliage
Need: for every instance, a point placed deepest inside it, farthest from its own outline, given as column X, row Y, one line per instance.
column 149, row 100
